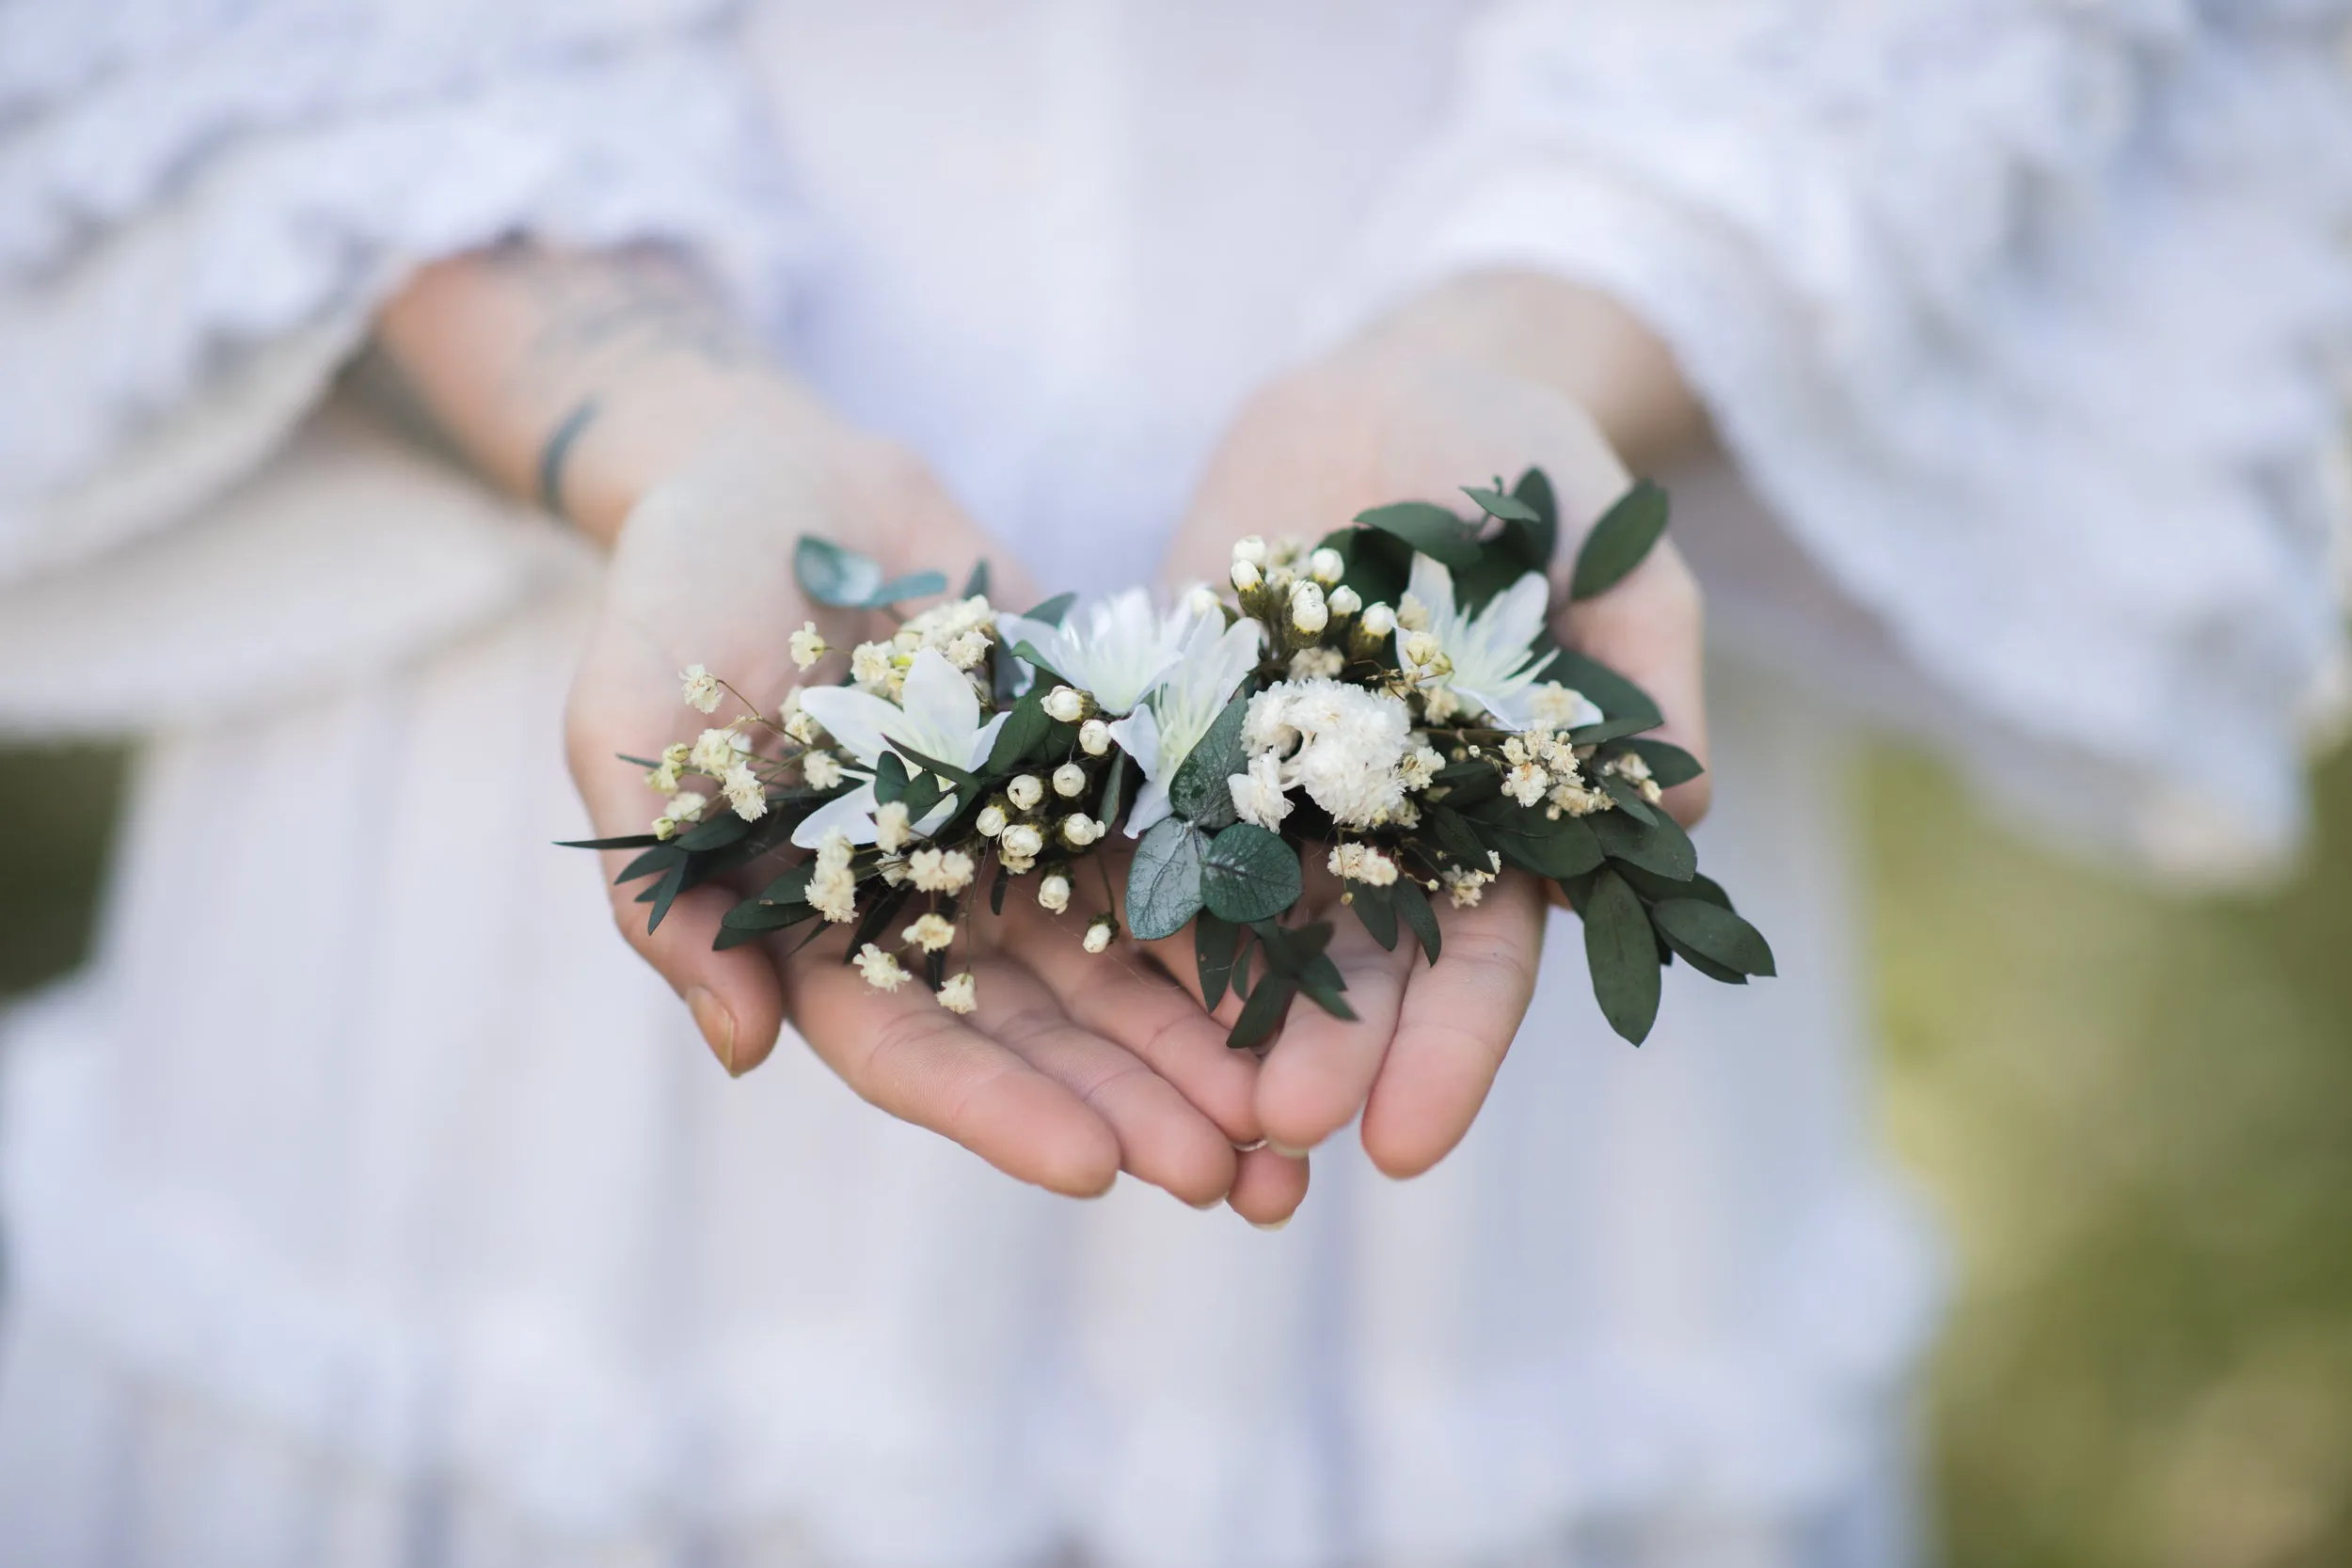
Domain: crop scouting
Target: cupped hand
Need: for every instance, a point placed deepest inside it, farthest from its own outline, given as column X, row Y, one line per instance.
column 1307, row 453
column 1073, row 1067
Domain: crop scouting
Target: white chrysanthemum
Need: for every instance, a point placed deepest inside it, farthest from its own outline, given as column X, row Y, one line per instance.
column 931, row 932
column 1342, row 744
column 939, row 870
column 820, row 769
column 1117, row 649
column 1160, row 734
column 703, row 690
column 882, row 970
column 960, row 994
column 1258, row 795
column 745, row 793
column 938, row 715
column 1317, row 664
column 1052, row 893
column 808, row 645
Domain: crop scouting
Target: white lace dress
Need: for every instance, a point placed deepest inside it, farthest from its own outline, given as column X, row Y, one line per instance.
column 352, row 1219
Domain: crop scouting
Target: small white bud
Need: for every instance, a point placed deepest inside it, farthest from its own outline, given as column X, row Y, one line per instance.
column 1078, row 829
column 1025, row 791
column 1380, row 621
column 808, row 645
column 703, row 690
column 1070, row 781
column 1203, row 601
column 1422, row 649
column 1307, row 611
column 1413, row 614
column 1065, row 704
column 1247, row 576
column 1345, row 600
column 1094, row 738
column 1325, row 565
column 1250, row 549
column 1052, row 893
column 992, row 820
column 961, row 993
column 1098, row 933
column 1022, row 841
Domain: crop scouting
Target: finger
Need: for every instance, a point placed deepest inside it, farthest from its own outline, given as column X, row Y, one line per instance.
column 1120, row 996
column 905, row 1053
column 1650, row 628
column 1268, row 1188
column 1456, row 1022
column 1321, row 1068
column 1162, row 1137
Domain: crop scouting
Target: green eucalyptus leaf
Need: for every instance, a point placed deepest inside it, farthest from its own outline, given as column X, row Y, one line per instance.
column 1659, row 846
column 833, row 576
column 1494, row 503
column 1619, row 542
column 757, row 914
column 1432, row 530
column 651, row 863
column 1199, row 792
column 1534, row 490
column 1697, row 960
column 1052, row 609
column 1713, row 931
column 878, row 914
column 716, row 834
column 1533, row 842
column 890, row 778
column 996, row 889
column 1376, row 910
column 627, row 841
column 1628, row 800
column 924, row 791
column 792, row 886
column 664, row 892
column 1615, row 696
column 1457, row 838
column 915, row 585
column 976, row 583
column 1622, row 957
column 1669, row 764
column 1114, row 790
column 1248, row 874
column 1414, row 905
column 1215, row 944
column 1026, row 652
column 1262, row 1014
column 1164, row 889
column 944, row 769
column 1612, row 729
column 1024, row 729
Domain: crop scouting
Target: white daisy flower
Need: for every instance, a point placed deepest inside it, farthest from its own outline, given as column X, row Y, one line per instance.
column 938, row 714
column 1490, row 652
column 1215, row 660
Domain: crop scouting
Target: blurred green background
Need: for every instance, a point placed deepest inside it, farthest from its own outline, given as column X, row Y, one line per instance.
column 2134, row 1109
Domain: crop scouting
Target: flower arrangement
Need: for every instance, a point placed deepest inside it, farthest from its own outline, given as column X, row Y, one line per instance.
column 1386, row 704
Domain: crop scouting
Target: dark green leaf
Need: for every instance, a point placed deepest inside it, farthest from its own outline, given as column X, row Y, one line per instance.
column 1714, row 931
column 1612, row 729
column 878, row 914
column 833, row 576
column 1628, row 800
column 1199, row 792
column 734, row 936
column 1026, row 652
column 1534, row 489
column 1669, row 764
column 921, row 794
column 1697, row 960
column 976, row 583
column 651, row 863
column 664, row 892
column 944, row 769
column 1248, row 874
column 890, row 778
column 1533, row 842
column 757, row 914
column 1473, row 783
column 1457, row 838
column 1624, row 535
column 627, row 841
column 1660, row 846
column 1414, row 905
column 996, row 890
column 717, row 833
column 1215, row 944
column 790, row 887
column 1617, row 697
column 915, row 585
column 1262, row 1014
column 1024, row 730
column 1163, row 884
column 1052, row 609
column 1114, row 790
column 1374, row 908
column 1494, row 503
column 1432, row 530
column 1623, row 956
column 1650, row 885
column 1241, row 964
column 1290, row 949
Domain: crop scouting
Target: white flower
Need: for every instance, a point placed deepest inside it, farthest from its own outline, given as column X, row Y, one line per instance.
column 1345, row 600
column 1251, row 548
column 745, row 793
column 967, row 650
column 1020, row 846
column 801, row 727
column 940, row 717
column 1553, row 706
column 1200, row 600
column 1491, row 664
column 835, row 851
column 1525, row 783
column 872, row 665
column 687, row 806
column 960, row 994
column 882, row 970
column 703, row 690
column 1342, row 744
column 665, row 827
column 1309, row 663
column 1094, row 738
column 1070, row 781
column 1466, row 886
column 1052, row 893
column 1411, row 613
column 1078, row 829
column 1579, row 801
column 1422, row 651
column 990, row 821
column 891, row 827
column 931, row 932
column 1380, row 621
column 1419, row 766
column 1246, row 575
column 833, row 893
column 1309, row 613
column 1066, row 703
column 1098, row 933
column 676, row 754
column 820, row 769
column 808, row 645
column 663, row 778
column 1362, row 862
column 1216, row 659
column 939, row 870
column 1025, row 792
column 1326, row 565
column 1117, row 649
column 1257, row 794
column 715, row 750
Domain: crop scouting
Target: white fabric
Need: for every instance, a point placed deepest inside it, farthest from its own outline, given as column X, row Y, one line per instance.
column 368, row 1203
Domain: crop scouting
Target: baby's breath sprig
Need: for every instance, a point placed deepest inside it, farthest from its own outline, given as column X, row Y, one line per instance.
column 1384, row 705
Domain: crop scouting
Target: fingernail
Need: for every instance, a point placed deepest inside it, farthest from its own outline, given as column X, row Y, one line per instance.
column 1270, row 1224
column 717, row 1025
column 1251, row 1147
column 1205, row 1204
column 1285, row 1151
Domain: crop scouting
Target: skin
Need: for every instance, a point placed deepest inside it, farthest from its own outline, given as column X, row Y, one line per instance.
column 698, row 462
